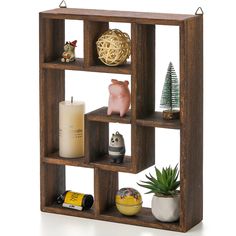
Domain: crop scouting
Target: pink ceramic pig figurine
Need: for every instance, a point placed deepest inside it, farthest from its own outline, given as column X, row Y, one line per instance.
column 119, row 100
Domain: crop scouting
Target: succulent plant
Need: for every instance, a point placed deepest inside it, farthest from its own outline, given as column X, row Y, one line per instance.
column 165, row 183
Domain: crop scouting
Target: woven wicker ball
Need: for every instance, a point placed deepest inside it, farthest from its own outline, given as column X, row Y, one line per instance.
column 113, row 47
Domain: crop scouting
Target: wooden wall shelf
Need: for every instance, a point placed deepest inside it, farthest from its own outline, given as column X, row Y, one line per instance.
column 142, row 117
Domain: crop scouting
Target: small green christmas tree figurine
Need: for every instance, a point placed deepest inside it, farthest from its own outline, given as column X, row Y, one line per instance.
column 170, row 95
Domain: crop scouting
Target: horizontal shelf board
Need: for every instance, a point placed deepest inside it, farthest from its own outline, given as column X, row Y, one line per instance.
column 143, row 218
column 103, row 162
column 117, row 16
column 101, row 115
column 58, row 209
column 54, row 158
column 78, row 65
column 156, row 120
column 121, row 69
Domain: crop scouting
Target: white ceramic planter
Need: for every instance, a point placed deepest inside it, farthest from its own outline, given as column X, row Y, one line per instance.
column 166, row 209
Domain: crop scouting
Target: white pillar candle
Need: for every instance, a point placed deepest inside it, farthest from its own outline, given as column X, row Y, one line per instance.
column 71, row 129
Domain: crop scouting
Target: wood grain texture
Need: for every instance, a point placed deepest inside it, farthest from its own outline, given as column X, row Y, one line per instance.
column 103, row 162
column 57, row 209
column 78, row 65
column 101, row 115
column 52, row 37
column 92, row 31
column 105, row 188
column 191, row 116
column 142, row 147
column 143, row 70
column 96, row 139
column 54, row 158
column 117, row 16
column 143, row 218
column 156, row 120
column 52, row 90
column 142, row 95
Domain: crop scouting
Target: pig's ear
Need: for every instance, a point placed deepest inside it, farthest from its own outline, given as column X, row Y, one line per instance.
column 126, row 82
column 114, row 81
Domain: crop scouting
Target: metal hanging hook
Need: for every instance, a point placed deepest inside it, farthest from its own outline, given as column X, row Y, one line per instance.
column 63, row 4
column 199, row 11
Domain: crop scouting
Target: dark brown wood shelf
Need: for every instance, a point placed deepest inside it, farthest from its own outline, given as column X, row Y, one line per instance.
column 156, row 120
column 58, row 209
column 78, row 65
column 142, row 118
column 143, row 218
column 101, row 115
column 54, row 158
column 121, row 69
column 103, row 162
column 117, row 16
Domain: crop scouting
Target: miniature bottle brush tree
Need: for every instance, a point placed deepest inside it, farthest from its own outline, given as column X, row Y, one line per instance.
column 170, row 94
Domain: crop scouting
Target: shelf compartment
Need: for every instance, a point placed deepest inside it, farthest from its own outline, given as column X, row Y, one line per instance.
column 101, row 115
column 55, row 159
column 156, row 120
column 104, row 163
column 78, row 65
column 96, row 146
column 92, row 31
column 143, row 218
column 58, row 209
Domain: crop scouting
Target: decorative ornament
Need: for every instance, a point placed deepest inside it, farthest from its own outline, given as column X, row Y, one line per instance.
column 76, row 201
column 119, row 99
column 166, row 199
column 170, row 95
column 69, row 51
column 116, row 148
column 128, row 201
column 114, row 47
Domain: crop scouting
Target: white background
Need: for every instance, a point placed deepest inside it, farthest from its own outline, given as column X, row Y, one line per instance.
column 19, row 120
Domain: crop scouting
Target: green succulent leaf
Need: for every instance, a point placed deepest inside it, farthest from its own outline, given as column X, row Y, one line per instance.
column 165, row 183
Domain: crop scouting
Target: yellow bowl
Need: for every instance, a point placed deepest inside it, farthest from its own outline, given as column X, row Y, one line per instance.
column 129, row 210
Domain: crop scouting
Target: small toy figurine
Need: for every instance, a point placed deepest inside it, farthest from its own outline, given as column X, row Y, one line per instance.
column 117, row 148
column 128, row 201
column 69, row 51
column 119, row 99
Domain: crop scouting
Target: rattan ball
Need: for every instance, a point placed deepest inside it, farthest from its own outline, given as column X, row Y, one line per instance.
column 114, row 47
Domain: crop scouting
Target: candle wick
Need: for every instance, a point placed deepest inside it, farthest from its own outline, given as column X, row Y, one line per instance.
column 71, row 99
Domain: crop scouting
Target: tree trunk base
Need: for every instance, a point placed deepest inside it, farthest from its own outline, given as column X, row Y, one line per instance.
column 170, row 115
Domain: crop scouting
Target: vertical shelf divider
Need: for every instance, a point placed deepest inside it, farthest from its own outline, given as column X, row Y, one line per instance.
column 191, row 118
column 52, row 91
column 96, row 139
column 143, row 94
column 92, row 31
column 105, row 188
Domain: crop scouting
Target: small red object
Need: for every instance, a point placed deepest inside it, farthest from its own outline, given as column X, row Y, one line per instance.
column 73, row 43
